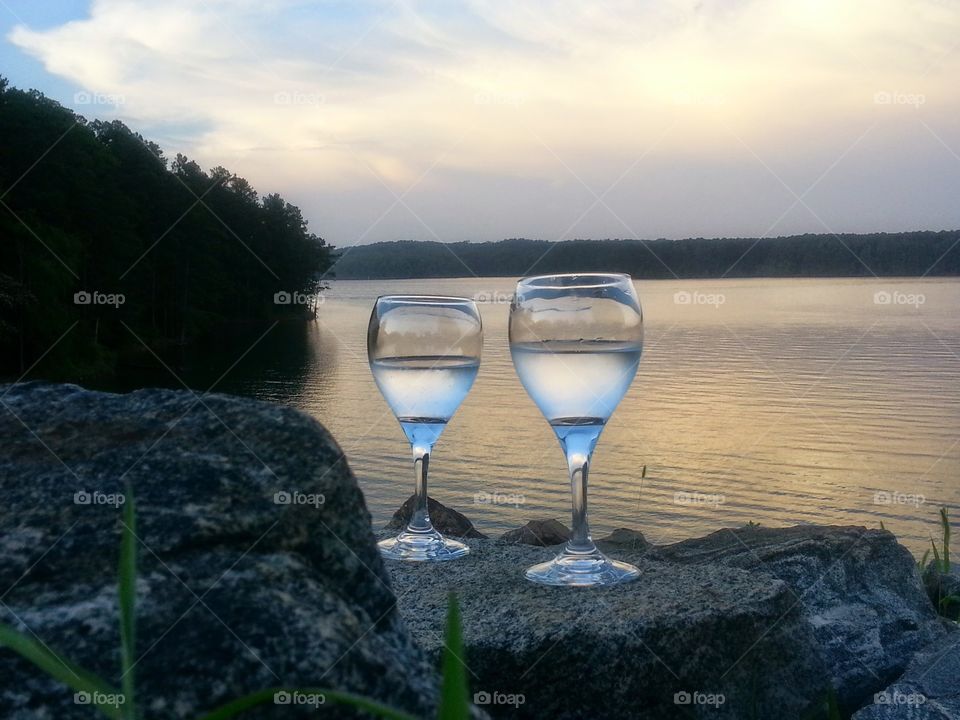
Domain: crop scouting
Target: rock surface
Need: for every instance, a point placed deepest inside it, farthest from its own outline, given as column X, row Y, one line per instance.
column 542, row 533
column 258, row 564
column 928, row 690
column 859, row 591
column 769, row 618
column 630, row 651
column 446, row 520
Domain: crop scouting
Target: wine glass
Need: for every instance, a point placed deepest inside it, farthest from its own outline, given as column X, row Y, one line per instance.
column 576, row 341
column 424, row 353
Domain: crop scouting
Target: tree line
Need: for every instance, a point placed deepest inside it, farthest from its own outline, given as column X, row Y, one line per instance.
column 109, row 251
column 814, row 255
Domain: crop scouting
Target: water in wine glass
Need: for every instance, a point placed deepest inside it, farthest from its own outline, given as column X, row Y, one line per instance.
column 424, row 391
column 576, row 383
column 576, row 341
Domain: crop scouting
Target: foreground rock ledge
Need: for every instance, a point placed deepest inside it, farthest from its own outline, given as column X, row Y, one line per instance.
column 770, row 619
column 258, row 567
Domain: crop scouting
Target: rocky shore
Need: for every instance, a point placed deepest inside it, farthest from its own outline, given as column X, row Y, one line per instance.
column 259, row 569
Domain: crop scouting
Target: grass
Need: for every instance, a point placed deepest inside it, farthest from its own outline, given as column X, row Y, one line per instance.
column 454, row 690
column 120, row 704
column 947, row 605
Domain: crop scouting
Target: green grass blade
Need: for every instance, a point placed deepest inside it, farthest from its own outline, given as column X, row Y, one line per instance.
column 936, row 554
column 947, row 600
column 454, row 698
column 62, row 670
column 263, row 697
column 945, row 521
column 923, row 561
column 833, row 707
column 127, row 589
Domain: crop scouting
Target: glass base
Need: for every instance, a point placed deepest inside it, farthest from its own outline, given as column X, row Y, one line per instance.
column 428, row 546
column 582, row 570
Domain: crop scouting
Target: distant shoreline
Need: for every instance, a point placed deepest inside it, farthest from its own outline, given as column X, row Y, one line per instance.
column 907, row 254
column 868, row 278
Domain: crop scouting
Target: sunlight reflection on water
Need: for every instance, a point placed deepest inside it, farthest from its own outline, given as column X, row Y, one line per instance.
column 773, row 401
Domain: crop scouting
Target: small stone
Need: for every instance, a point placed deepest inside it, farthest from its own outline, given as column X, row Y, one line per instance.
column 445, row 520
column 542, row 533
column 624, row 537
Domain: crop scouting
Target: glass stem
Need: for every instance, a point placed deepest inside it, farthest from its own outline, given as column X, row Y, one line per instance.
column 578, row 444
column 419, row 517
column 580, row 540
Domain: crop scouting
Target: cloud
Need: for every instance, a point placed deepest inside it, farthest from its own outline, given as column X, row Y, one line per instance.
column 339, row 103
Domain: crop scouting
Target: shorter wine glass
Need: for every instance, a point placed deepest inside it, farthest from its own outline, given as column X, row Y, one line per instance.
column 424, row 353
column 576, row 342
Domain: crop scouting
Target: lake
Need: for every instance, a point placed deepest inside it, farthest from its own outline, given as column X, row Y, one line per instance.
column 772, row 401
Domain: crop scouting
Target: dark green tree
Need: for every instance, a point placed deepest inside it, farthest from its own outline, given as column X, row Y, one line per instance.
column 93, row 207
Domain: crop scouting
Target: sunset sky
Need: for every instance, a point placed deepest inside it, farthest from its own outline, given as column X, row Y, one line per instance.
column 554, row 119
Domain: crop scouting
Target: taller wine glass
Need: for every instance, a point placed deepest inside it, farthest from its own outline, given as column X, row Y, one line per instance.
column 576, row 341
column 424, row 353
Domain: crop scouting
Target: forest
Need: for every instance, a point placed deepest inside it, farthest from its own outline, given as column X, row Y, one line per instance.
column 821, row 255
column 110, row 252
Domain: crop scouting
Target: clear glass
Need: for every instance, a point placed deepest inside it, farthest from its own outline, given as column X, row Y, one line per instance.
column 424, row 353
column 576, row 341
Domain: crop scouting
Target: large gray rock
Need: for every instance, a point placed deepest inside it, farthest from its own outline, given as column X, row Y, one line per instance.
column 769, row 618
column 632, row 651
column 258, row 565
column 928, row 690
column 859, row 592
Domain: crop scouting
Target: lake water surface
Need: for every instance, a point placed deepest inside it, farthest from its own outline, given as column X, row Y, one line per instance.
column 772, row 401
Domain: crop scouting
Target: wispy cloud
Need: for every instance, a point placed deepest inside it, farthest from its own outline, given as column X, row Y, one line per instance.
column 315, row 98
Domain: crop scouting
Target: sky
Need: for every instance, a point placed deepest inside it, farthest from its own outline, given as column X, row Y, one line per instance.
column 557, row 119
